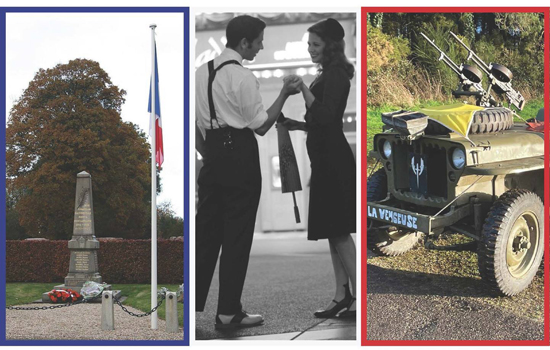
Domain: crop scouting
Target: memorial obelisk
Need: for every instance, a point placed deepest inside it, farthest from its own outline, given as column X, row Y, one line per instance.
column 83, row 245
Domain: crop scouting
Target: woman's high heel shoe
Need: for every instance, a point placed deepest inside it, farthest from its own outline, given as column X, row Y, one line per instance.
column 340, row 305
column 348, row 313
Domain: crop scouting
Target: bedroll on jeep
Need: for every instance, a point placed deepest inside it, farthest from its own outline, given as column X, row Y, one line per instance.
column 466, row 169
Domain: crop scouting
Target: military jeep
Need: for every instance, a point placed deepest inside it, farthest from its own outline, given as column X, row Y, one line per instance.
column 486, row 182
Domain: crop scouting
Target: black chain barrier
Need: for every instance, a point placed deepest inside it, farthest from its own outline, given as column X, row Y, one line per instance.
column 162, row 297
column 83, row 301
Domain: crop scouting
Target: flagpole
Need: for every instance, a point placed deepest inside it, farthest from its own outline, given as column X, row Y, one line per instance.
column 154, row 316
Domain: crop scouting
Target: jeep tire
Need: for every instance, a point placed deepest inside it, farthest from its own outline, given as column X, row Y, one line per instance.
column 492, row 120
column 387, row 241
column 484, row 121
column 512, row 244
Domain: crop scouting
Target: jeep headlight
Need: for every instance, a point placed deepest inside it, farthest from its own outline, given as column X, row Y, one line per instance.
column 458, row 158
column 386, row 149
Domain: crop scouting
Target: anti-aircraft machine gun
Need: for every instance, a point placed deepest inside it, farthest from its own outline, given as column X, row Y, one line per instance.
column 470, row 77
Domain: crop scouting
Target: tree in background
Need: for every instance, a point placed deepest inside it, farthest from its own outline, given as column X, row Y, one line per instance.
column 13, row 228
column 521, row 39
column 468, row 26
column 68, row 121
column 514, row 40
column 168, row 224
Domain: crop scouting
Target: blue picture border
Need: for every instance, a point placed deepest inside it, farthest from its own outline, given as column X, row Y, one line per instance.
column 185, row 13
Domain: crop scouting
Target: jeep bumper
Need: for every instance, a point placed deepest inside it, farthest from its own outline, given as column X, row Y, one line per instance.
column 384, row 211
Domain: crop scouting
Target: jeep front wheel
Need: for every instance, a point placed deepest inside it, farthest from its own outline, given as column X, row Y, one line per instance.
column 391, row 241
column 388, row 240
column 512, row 244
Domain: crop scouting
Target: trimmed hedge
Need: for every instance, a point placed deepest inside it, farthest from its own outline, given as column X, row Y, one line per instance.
column 124, row 261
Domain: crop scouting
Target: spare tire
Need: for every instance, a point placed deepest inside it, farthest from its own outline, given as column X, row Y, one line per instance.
column 492, row 120
column 485, row 121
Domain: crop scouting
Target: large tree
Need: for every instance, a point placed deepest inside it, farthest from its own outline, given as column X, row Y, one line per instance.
column 68, row 121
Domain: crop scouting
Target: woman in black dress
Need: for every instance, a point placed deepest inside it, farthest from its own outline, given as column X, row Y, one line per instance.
column 332, row 203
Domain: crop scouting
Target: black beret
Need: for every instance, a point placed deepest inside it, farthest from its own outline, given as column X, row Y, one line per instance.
column 333, row 29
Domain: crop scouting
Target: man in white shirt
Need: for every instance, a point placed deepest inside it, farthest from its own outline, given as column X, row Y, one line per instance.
column 229, row 111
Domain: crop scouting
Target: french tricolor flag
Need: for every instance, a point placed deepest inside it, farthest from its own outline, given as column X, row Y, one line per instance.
column 159, row 149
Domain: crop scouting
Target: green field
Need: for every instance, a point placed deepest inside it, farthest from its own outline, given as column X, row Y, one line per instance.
column 138, row 295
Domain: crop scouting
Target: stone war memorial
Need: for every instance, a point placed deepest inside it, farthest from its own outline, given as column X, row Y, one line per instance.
column 83, row 246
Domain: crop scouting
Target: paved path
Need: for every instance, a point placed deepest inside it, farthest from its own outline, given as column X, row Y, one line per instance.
column 82, row 322
column 329, row 329
column 288, row 279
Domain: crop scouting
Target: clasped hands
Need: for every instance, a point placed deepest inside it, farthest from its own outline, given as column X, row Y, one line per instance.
column 292, row 84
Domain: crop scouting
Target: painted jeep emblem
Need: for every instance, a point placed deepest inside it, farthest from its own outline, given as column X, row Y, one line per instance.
column 417, row 168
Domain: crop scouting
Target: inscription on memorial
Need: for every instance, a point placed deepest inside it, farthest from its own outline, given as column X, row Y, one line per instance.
column 82, row 261
column 83, row 213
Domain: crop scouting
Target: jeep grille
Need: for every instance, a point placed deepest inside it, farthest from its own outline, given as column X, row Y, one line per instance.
column 425, row 175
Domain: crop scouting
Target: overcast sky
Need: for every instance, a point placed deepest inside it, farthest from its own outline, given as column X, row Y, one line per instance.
column 121, row 43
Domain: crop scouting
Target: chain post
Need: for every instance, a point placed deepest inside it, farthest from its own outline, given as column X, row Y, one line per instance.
column 106, row 297
column 107, row 311
column 172, row 313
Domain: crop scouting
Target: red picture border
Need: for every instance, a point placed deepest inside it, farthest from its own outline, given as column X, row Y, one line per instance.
column 364, row 341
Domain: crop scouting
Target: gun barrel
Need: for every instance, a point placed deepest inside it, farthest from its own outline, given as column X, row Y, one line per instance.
column 443, row 57
column 472, row 55
column 514, row 97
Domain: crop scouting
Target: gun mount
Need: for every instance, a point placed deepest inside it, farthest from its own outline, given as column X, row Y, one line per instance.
column 470, row 78
column 499, row 76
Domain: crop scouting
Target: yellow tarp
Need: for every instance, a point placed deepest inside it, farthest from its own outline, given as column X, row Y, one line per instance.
column 456, row 117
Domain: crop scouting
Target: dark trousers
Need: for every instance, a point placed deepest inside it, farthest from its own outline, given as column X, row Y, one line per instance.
column 229, row 194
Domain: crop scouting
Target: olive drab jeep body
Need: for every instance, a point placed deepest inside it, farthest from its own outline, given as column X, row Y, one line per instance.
column 484, row 179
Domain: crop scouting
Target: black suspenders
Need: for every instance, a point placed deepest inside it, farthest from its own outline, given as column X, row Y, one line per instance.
column 211, row 76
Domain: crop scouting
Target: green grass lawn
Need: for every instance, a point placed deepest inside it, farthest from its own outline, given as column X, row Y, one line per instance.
column 531, row 109
column 138, row 295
